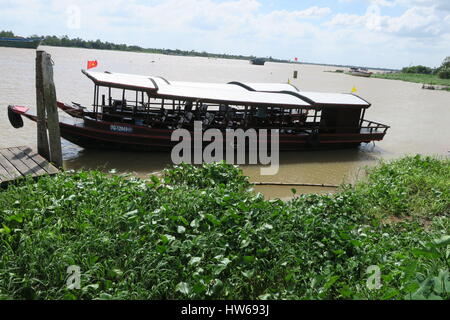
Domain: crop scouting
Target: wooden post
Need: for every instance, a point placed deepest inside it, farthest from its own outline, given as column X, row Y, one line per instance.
column 295, row 74
column 42, row 139
column 47, row 94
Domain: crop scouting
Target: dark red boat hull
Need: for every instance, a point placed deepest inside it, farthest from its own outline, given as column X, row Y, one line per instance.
column 91, row 133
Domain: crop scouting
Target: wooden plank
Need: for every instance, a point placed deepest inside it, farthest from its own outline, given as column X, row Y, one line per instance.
column 16, row 162
column 4, row 175
column 42, row 139
column 33, row 166
column 51, row 108
column 12, row 171
column 39, row 160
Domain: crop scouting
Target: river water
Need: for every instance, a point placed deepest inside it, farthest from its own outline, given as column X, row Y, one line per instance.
column 419, row 119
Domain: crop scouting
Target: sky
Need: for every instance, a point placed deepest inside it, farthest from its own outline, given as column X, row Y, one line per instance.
column 374, row 33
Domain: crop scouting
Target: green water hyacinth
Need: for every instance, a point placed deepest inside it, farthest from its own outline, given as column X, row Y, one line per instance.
column 202, row 233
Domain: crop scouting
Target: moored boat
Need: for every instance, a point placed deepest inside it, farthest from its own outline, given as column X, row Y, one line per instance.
column 360, row 72
column 258, row 61
column 141, row 113
column 28, row 43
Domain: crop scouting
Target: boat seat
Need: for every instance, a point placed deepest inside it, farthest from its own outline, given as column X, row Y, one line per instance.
column 186, row 119
column 209, row 119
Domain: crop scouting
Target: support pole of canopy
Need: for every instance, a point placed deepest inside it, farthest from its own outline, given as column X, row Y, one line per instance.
column 93, row 103
column 362, row 117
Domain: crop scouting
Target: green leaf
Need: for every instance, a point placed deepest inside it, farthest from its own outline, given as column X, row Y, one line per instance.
column 212, row 219
column 91, row 286
column 425, row 253
column 248, row 274
column 195, row 223
column 330, row 282
column 117, row 272
column 70, row 296
column 183, row 288
column 195, row 261
column 5, row 230
column 267, row 226
column 391, row 293
column 249, row 259
column 443, row 241
column 16, row 217
column 181, row 229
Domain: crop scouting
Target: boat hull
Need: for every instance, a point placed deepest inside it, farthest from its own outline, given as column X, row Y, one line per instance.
column 94, row 134
column 20, row 43
column 361, row 74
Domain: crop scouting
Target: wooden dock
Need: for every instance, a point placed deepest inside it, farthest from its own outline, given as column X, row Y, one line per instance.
column 18, row 162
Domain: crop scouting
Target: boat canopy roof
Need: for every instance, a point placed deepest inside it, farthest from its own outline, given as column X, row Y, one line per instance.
column 333, row 99
column 267, row 87
column 230, row 94
column 121, row 80
column 233, row 93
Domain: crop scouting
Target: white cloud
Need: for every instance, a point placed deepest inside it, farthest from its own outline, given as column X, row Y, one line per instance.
column 422, row 28
column 415, row 22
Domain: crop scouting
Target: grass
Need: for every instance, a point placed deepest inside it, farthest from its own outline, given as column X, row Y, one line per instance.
column 414, row 77
column 201, row 233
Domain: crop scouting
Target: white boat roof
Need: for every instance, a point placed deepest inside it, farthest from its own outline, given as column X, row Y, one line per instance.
column 121, row 80
column 233, row 93
column 267, row 87
column 205, row 85
column 230, row 94
column 325, row 98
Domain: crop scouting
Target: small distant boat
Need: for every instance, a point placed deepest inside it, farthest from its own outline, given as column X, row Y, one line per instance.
column 258, row 61
column 28, row 43
column 360, row 72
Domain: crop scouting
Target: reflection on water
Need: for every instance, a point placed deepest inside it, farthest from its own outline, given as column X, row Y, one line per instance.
column 318, row 167
column 418, row 118
column 140, row 163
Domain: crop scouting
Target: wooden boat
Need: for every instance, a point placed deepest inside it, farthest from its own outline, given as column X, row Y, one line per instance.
column 29, row 43
column 141, row 113
column 258, row 61
column 360, row 72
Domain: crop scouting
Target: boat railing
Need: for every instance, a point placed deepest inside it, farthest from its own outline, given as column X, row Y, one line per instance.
column 374, row 127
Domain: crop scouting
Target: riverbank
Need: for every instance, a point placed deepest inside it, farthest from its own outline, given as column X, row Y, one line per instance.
column 430, row 79
column 202, row 233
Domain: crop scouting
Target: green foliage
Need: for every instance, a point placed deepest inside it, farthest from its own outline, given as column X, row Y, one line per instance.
column 422, row 74
column 444, row 72
column 200, row 233
column 7, row 34
column 418, row 69
column 432, row 79
column 412, row 186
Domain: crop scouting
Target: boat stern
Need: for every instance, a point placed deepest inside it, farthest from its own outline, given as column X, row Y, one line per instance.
column 15, row 114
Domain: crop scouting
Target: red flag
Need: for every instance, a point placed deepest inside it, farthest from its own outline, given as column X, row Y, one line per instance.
column 296, row 59
column 92, row 64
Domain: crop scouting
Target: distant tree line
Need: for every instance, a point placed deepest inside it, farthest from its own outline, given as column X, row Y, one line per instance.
column 442, row 72
column 65, row 41
column 8, row 34
column 418, row 69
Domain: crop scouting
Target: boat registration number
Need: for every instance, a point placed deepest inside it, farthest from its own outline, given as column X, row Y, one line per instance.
column 117, row 128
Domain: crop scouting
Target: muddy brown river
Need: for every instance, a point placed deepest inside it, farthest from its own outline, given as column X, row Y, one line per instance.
column 419, row 119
